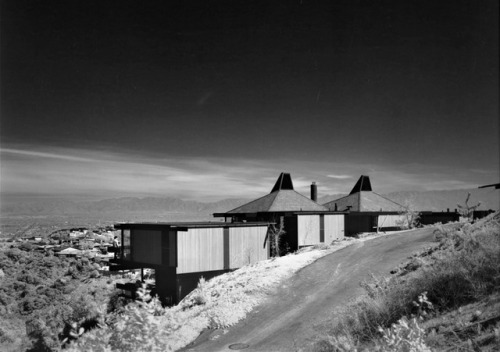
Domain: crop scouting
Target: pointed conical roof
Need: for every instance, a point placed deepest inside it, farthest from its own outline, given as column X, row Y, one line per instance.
column 283, row 182
column 282, row 198
column 363, row 184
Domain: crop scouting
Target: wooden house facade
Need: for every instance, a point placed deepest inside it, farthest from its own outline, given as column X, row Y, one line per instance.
column 181, row 253
column 305, row 221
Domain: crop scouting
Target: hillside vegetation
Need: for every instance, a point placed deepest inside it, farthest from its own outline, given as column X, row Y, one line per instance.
column 444, row 298
column 218, row 303
column 43, row 298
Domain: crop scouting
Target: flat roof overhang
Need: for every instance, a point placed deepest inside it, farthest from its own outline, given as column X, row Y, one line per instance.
column 184, row 226
column 226, row 215
column 320, row 212
column 294, row 212
column 375, row 213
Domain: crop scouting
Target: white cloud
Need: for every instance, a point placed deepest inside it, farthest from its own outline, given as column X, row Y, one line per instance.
column 37, row 154
column 339, row 177
column 110, row 174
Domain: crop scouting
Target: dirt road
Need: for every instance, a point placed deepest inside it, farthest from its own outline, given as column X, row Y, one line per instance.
column 288, row 320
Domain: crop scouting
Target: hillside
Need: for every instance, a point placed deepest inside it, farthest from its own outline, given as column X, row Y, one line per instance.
column 443, row 297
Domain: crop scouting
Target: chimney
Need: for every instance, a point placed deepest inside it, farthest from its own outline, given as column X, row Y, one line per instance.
column 314, row 192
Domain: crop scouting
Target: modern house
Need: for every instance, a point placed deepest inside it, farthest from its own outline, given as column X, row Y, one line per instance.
column 181, row 253
column 367, row 211
column 304, row 220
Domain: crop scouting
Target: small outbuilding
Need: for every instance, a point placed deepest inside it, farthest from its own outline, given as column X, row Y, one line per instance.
column 69, row 252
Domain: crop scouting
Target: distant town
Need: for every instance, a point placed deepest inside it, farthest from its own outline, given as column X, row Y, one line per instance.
column 96, row 244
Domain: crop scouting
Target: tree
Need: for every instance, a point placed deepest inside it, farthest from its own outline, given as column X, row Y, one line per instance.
column 275, row 233
column 410, row 217
column 467, row 211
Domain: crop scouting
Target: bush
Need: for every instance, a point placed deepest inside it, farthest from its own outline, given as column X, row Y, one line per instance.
column 405, row 336
column 117, row 302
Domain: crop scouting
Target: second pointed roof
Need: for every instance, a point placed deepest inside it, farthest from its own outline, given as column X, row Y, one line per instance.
column 363, row 199
column 363, row 184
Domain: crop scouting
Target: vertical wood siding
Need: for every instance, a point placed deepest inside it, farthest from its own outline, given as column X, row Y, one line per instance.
column 146, row 246
column 389, row 220
column 308, row 229
column 246, row 245
column 334, row 227
column 200, row 250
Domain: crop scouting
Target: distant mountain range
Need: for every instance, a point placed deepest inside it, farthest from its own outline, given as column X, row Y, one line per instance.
column 127, row 205
column 430, row 200
column 44, row 216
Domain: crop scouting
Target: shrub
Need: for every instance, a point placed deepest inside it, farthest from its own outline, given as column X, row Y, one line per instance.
column 467, row 210
column 405, row 336
column 14, row 254
column 410, row 217
column 198, row 296
column 26, row 246
column 135, row 329
column 117, row 302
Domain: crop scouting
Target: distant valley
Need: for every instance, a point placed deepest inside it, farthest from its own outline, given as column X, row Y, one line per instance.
column 46, row 215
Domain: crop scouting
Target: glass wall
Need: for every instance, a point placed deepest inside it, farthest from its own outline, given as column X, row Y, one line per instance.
column 126, row 245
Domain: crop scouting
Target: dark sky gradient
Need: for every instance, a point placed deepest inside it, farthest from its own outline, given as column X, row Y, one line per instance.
column 336, row 83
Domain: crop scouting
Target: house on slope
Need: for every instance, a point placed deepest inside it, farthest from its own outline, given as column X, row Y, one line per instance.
column 304, row 220
column 69, row 252
column 182, row 253
column 367, row 211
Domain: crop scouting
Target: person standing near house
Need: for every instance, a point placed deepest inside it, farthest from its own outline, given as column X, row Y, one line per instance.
column 116, row 247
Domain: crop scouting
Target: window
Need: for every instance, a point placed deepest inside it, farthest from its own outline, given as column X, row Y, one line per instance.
column 126, row 244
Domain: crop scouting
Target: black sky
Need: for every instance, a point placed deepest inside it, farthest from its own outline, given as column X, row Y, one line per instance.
column 380, row 81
